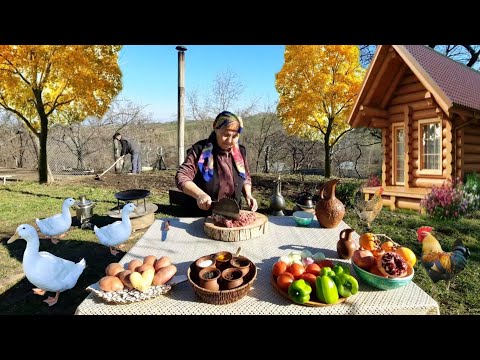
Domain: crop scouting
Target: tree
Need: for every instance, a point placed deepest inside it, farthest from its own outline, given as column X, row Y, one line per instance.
column 317, row 86
column 40, row 83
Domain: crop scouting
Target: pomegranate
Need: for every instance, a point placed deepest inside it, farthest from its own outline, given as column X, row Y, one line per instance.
column 363, row 259
column 392, row 265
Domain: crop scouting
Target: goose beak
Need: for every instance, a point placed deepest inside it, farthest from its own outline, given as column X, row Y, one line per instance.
column 13, row 238
column 136, row 211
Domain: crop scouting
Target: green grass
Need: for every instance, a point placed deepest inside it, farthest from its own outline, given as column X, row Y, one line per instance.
column 22, row 202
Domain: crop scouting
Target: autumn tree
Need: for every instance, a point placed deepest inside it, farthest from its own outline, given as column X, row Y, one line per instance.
column 317, row 86
column 42, row 83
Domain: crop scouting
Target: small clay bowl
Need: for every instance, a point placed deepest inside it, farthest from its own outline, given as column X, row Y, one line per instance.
column 222, row 259
column 208, row 278
column 242, row 263
column 204, row 262
column 231, row 278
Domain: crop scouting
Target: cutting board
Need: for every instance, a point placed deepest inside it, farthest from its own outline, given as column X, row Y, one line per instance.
column 221, row 233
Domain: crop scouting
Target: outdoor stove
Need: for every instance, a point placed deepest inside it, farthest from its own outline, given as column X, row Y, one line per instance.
column 146, row 213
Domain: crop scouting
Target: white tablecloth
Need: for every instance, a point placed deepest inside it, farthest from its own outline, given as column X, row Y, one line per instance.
column 186, row 241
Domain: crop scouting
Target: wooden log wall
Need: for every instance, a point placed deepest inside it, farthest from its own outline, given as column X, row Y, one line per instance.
column 471, row 154
column 412, row 102
column 460, row 148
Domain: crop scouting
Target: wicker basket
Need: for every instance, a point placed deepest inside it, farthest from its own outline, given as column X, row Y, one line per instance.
column 223, row 296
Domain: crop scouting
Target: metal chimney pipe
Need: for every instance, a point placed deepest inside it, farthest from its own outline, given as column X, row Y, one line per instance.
column 181, row 103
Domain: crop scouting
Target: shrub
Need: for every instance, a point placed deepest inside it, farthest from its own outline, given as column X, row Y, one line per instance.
column 471, row 191
column 346, row 192
column 373, row 181
column 446, row 201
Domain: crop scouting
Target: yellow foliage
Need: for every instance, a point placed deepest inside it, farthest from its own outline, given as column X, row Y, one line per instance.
column 44, row 81
column 317, row 86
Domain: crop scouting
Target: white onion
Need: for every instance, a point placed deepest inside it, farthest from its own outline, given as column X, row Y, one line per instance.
column 318, row 256
column 286, row 259
column 307, row 261
column 305, row 254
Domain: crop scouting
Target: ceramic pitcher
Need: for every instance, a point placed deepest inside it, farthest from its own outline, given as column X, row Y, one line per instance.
column 329, row 210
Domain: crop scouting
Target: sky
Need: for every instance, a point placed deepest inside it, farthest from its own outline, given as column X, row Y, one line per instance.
column 150, row 73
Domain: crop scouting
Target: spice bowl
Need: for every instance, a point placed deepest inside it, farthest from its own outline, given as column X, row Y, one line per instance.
column 242, row 263
column 228, row 291
column 208, row 278
column 222, row 259
column 204, row 262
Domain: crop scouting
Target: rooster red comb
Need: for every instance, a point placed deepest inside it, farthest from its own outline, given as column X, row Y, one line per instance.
column 422, row 230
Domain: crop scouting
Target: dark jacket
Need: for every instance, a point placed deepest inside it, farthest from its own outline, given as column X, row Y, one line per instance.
column 129, row 146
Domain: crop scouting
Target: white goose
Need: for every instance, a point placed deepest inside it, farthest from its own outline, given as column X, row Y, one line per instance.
column 118, row 232
column 57, row 224
column 44, row 270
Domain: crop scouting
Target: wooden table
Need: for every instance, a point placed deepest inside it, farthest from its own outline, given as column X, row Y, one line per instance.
column 186, row 241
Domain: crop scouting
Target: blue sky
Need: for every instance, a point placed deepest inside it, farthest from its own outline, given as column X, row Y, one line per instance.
column 150, row 72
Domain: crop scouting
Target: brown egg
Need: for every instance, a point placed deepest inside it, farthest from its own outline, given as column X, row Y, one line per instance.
column 164, row 274
column 124, row 277
column 134, row 264
column 162, row 262
column 110, row 283
column 113, row 269
column 144, row 267
column 150, row 260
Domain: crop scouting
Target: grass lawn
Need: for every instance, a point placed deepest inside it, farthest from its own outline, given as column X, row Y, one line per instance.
column 22, row 202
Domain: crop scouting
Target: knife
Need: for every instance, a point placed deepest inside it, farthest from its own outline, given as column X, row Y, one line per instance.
column 226, row 207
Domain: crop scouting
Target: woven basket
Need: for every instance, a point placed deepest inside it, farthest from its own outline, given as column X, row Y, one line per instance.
column 223, row 296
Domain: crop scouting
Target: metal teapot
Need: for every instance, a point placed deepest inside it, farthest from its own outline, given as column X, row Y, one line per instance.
column 84, row 210
column 305, row 200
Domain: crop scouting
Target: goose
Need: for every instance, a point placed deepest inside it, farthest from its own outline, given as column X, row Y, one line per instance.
column 46, row 271
column 118, row 232
column 57, row 224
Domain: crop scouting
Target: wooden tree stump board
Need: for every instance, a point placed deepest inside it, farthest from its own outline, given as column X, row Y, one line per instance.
column 256, row 229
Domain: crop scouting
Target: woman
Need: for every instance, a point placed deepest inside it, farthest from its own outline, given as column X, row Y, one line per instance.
column 217, row 167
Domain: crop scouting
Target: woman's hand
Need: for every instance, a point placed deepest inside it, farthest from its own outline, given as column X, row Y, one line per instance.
column 204, row 202
column 252, row 203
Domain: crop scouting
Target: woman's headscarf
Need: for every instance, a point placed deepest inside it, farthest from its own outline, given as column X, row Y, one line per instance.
column 205, row 162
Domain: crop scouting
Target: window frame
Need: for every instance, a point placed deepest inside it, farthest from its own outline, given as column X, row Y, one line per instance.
column 395, row 127
column 421, row 170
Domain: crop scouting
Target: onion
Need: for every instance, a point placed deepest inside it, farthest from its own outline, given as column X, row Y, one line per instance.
column 295, row 257
column 306, row 254
column 286, row 259
column 363, row 259
column 318, row 256
column 307, row 261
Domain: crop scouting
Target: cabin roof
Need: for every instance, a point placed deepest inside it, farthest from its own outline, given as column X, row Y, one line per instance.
column 452, row 84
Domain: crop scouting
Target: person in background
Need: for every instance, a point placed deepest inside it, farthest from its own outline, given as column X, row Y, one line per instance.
column 217, row 167
column 133, row 148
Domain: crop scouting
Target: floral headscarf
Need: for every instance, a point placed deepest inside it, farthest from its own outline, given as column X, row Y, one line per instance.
column 205, row 162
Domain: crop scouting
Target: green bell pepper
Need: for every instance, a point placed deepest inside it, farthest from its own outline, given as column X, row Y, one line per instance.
column 327, row 271
column 299, row 291
column 347, row 285
column 326, row 289
column 341, row 269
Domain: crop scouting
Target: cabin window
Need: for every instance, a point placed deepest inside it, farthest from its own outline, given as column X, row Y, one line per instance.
column 399, row 154
column 430, row 147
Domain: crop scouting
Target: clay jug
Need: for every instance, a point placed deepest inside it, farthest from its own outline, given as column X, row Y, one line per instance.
column 345, row 245
column 329, row 210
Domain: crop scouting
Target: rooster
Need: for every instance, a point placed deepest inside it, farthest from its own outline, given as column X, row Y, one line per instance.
column 368, row 210
column 441, row 265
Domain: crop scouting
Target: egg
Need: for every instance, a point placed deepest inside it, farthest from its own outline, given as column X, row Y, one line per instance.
column 164, row 274
column 124, row 277
column 132, row 265
column 162, row 262
column 150, row 260
column 110, row 283
column 113, row 269
column 144, row 267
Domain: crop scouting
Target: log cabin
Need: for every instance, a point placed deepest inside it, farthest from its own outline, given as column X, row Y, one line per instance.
column 428, row 109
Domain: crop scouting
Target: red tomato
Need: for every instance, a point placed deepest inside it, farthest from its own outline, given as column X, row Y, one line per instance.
column 313, row 269
column 325, row 263
column 296, row 270
column 309, row 278
column 284, row 280
column 279, row 267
